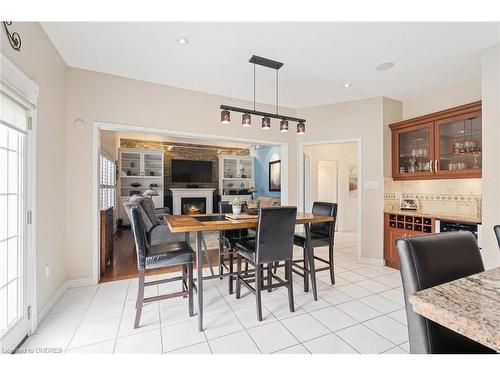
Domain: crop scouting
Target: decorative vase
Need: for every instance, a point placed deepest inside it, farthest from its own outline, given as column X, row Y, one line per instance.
column 236, row 209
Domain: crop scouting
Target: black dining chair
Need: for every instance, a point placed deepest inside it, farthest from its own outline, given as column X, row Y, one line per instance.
column 322, row 234
column 274, row 243
column 178, row 253
column 430, row 260
column 227, row 242
column 496, row 228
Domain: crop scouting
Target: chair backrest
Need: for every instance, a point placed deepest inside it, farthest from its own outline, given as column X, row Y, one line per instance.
column 225, row 207
column 275, row 230
column 326, row 209
column 496, row 228
column 429, row 260
column 148, row 214
column 141, row 242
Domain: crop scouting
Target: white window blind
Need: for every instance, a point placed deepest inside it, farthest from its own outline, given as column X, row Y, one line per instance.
column 13, row 120
column 107, row 182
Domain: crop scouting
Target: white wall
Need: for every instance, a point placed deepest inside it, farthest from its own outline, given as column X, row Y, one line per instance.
column 392, row 112
column 345, row 154
column 101, row 97
column 361, row 119
column 110, row 142
column 490, row 74
column 456, row 94
column 40, row 61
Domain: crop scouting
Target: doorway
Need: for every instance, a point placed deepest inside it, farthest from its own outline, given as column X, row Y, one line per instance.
column 110, row 138
column 329, row 172
column 16, row 199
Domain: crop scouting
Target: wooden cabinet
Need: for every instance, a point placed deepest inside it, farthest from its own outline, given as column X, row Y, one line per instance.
column 106, row 238
column 400, row 225
column 444, row 144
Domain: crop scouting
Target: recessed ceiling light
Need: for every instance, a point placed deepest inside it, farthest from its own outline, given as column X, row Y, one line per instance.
column 347, row 85
column 183, row 40
column 385, row 66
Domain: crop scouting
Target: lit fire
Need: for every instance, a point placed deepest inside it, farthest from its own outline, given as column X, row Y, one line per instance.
column 193, row 209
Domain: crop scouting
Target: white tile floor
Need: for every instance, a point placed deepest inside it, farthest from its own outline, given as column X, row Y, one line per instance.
column 362, row 313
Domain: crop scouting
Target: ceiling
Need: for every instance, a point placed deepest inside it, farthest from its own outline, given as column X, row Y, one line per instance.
column 319, row 57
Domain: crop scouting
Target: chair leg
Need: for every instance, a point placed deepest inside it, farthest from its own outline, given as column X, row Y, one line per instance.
column 258, row 288
column 288, row 265
column 184, row 278
column 190, row 288
column 332, row 270
column 238, row 276
column 306, row 271
column 140, row 300
column 221, row 255
column 230, row 271
column 269, row 277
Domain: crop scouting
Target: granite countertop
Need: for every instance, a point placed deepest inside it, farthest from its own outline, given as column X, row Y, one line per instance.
column 458, row 218
column 469, row 306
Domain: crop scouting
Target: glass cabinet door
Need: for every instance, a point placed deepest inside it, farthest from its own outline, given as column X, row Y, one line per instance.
column 414, row 152
column 459, row 145
column 131, row 164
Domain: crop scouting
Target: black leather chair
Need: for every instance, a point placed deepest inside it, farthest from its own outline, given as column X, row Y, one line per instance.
column 177, row 253
column 496, row 228
column 429, row 260
column 322, row 234
column 227, row 241
column 274, row 243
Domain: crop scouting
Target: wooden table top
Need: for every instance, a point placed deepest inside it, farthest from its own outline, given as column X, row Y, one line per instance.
column 469, row 306
column 189, row 223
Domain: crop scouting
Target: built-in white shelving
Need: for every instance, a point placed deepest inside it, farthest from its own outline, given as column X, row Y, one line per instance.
column 143, row 167
column 236, row 176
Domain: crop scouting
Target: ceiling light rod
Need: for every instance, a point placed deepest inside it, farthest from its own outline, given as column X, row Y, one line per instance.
column 259, row 113
column 268, row 63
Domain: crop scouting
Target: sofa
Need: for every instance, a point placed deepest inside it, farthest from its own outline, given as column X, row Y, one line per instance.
column 157, row 231
column 264, row 201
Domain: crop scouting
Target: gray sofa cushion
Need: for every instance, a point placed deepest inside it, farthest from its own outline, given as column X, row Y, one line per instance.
column 147, row 212
column 157, row 233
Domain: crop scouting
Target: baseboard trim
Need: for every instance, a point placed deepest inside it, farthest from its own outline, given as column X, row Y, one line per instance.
column 372, row 261
column 78, row 283
column 49, row 305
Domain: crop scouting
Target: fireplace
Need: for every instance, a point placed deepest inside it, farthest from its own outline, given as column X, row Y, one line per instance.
column 193, row 195
column 193, row 205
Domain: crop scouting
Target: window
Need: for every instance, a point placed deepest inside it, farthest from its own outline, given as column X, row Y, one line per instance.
column 13, row 126
column 107, row 181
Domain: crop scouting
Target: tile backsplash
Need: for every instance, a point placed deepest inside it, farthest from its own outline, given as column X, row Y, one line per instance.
column 437, row 197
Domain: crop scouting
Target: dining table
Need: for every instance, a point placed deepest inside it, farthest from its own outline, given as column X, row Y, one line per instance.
column 200, row 223
column 469, row 306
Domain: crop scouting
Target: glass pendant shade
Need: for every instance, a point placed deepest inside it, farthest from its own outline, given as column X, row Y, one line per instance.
column 246, row 120
column 301, row 127
column 225, row 117
column 266, row 123
column 283, row 126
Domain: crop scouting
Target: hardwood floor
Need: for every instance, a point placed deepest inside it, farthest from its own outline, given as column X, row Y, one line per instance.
column 124, row 265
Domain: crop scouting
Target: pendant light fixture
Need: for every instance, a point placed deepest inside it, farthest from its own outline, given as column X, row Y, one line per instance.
column 301, row 127
column 266, row 123
column 246, row 119
column 283, row 126
column 225, row 117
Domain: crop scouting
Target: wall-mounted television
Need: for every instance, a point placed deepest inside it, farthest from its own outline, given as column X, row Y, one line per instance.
column 192, row 171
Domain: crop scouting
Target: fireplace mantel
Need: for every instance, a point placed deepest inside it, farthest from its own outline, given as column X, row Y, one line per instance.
column 179, row 193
